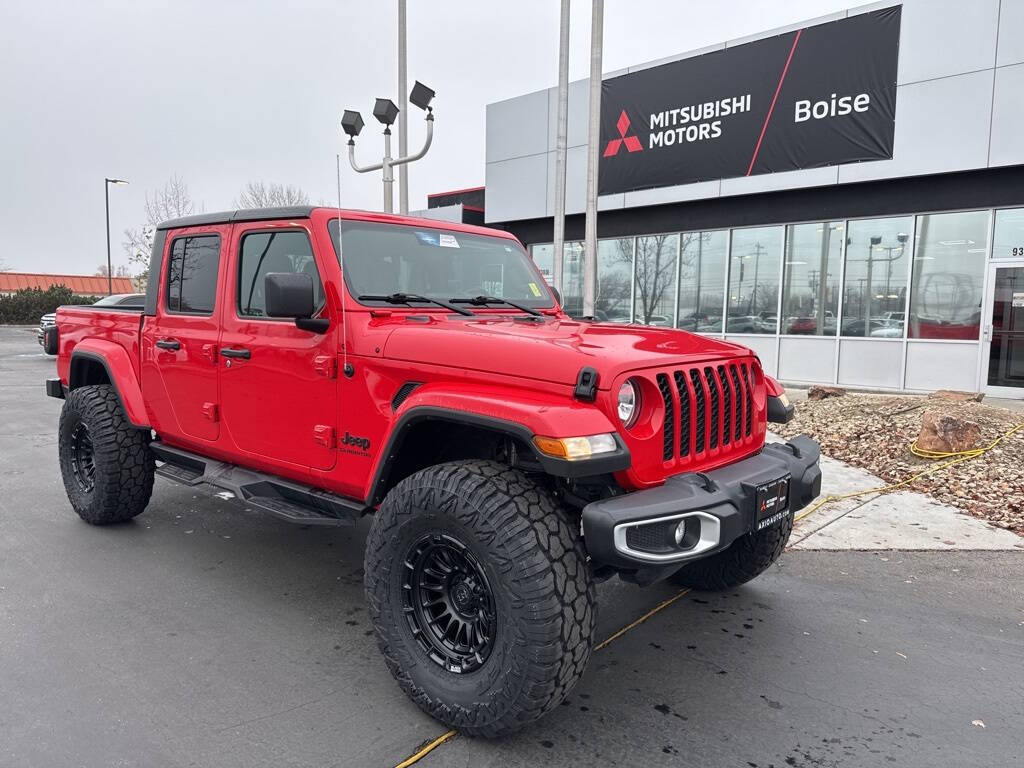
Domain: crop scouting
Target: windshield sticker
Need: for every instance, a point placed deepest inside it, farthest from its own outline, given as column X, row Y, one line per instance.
column 535, row 289
column 428, row 238
column 449, row 241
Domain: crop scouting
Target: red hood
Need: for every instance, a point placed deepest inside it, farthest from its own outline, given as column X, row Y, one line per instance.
column 551, row 349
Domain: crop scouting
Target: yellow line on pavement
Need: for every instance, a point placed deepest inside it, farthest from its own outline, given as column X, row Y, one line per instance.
column 642, row 619
column 426, row 750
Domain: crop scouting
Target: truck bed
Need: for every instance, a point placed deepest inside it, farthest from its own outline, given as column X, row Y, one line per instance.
column 116, row 325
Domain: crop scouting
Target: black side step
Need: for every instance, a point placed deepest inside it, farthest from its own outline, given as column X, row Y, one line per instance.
column 294, row 502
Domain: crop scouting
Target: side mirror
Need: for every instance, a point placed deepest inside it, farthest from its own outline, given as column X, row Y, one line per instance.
column 290, row 294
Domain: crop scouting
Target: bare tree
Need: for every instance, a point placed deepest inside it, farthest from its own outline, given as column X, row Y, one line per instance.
column 655, row 274
column 258, row 194
column 121, row 270
column 700, row 285
column 171, row 202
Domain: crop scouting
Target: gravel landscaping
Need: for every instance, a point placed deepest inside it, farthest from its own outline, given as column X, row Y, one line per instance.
column 875, row 432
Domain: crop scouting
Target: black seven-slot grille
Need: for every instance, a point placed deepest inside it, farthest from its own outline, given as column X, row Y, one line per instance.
column 707, row 408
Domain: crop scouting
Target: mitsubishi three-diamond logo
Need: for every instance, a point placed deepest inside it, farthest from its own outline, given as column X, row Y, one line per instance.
column 632, row 142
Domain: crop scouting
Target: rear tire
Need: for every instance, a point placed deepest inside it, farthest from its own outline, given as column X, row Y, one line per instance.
column 746, row 558
column 105, row 460
column 485, row 530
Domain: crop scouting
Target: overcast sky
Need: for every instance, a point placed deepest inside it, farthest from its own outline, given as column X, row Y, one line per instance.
column 224, row 92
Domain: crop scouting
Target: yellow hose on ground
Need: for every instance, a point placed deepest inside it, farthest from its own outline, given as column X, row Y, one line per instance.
column 955, row 457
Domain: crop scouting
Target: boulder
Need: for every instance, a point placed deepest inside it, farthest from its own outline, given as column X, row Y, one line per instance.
column 953, row 396
column 943, row 433
column 818, row 392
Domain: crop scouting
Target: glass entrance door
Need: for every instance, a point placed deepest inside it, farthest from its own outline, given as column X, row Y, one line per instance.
column 1005, row 331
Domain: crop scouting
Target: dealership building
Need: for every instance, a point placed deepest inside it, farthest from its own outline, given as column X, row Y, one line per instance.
column 844, row 196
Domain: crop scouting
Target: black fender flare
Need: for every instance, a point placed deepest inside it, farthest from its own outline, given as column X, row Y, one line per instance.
column 557, row 467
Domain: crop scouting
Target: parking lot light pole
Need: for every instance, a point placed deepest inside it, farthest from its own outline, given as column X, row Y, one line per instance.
column 561, row 141
column 403, row 109
column 593, row 137
column 106, row 203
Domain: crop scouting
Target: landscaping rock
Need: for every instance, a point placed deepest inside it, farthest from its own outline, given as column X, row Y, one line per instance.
column 941, row 432
column 818, row 392
column 953, row 396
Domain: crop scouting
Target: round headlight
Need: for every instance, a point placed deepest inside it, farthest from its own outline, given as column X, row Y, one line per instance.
column 628, row 402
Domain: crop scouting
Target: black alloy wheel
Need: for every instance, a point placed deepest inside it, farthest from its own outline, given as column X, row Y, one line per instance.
column 448, row 603
column 83, row 460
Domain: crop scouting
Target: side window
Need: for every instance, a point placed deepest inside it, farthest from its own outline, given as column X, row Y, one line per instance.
column 192, row 274
column 274, row 251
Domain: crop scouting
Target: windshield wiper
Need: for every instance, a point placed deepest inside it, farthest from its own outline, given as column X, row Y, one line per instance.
column 483, row 301
column 409, row 298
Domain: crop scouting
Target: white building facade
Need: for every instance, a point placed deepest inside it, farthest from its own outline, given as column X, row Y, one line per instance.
column 902, row 274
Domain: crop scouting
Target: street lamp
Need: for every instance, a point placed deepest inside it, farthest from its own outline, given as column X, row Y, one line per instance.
column 901, row 238
column 106, row 201
column 386, row 113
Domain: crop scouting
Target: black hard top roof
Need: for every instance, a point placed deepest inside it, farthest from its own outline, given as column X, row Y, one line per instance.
column 248, row 214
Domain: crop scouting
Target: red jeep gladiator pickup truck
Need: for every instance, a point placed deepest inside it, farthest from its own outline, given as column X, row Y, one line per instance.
column 424, row 373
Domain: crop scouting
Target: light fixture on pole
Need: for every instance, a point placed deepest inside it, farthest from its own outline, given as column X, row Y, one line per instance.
column 386, row 113
column 106, row 202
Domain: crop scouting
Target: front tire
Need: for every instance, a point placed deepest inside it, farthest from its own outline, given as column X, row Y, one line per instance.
column 105, row 460
column 746, row 558
column 480, row 596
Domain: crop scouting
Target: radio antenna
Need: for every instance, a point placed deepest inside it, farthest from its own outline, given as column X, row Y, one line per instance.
column 346, row 368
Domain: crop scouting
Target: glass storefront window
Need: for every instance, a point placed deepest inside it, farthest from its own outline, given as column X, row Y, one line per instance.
column 702, row 281
column 754, row 280
column 656, row 279
column 614, row 271
column 1008, row 240
column 810, row 278
column 946, row 286
column 544, row 258
column 875, row 280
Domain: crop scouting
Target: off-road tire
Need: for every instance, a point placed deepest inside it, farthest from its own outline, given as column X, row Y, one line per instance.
column 536, row 567
column 747, row 557
column 123, row 463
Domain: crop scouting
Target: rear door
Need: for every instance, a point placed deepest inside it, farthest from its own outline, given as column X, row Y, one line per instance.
column 279, row 388
column 179, row 344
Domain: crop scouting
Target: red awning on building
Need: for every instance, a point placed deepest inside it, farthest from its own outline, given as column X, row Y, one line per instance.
column 82, row 285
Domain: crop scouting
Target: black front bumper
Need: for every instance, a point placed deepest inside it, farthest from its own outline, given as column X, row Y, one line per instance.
column 635, row 530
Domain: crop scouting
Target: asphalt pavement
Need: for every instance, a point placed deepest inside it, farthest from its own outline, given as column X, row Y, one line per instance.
column 206, row 634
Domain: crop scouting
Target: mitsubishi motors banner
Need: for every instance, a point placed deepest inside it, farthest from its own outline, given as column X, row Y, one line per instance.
column 821, row 95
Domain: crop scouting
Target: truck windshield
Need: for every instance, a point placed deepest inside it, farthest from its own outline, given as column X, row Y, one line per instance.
column 383, row 259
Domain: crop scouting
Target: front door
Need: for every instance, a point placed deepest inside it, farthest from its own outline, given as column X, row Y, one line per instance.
column 1004, row 331
column 279, row 387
